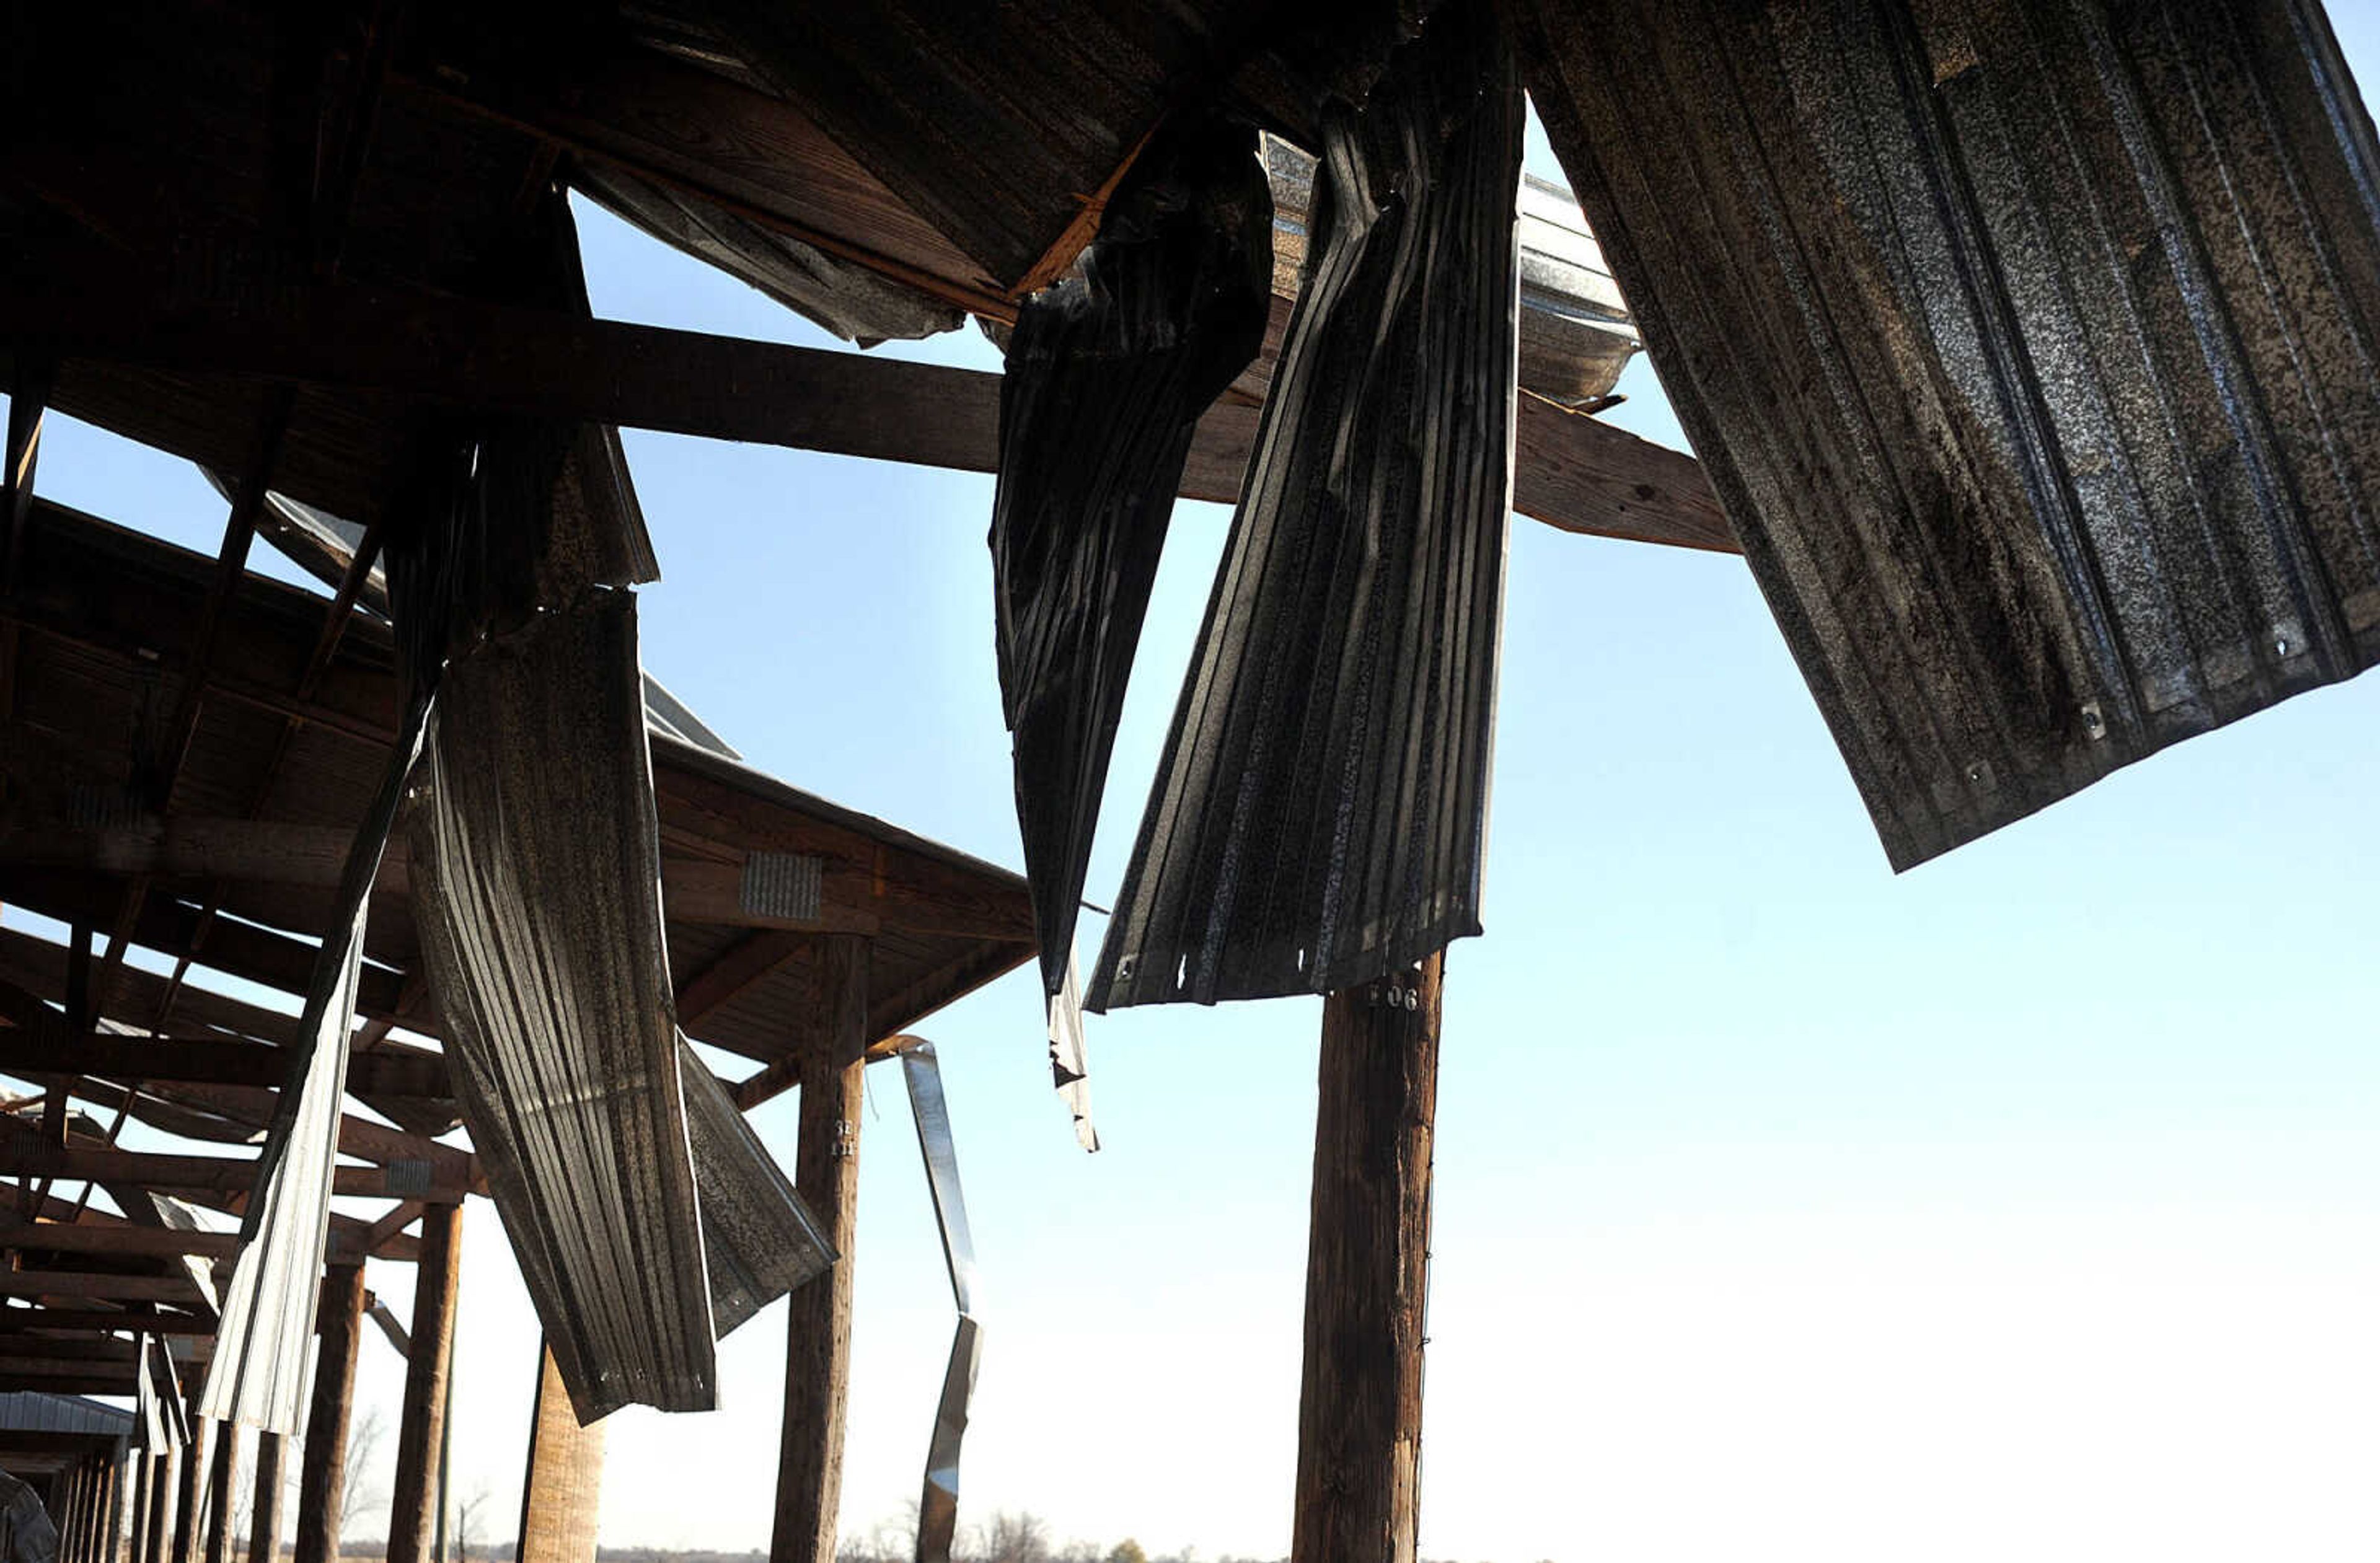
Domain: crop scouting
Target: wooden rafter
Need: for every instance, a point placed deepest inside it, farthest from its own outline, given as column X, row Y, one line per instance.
column 1571, row 471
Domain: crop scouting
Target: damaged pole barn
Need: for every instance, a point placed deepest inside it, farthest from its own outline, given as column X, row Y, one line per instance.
column 2028, row 348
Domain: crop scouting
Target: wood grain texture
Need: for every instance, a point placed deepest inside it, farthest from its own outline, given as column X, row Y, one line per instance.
column 1367, row 1274
column 561, row 1496
column 321, row 1473
column 818, row 1342
column 413, row 1496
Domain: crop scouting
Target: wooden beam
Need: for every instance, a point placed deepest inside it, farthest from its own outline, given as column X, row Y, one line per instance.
column 1367, row 1274
column 274, row 852
column 222, row 1488
column 154, row 1321
column 220, row 1173
column 833, row 1048
column 414, row 1494
column 264, row 1507
column 736, row 968
column 562, row 1492
column 211, row 1061
column 1573, row 471
column 189, row 1512
column 321, row 1473
column 98, row 1284
column 161, row 1506
column 121, row 1239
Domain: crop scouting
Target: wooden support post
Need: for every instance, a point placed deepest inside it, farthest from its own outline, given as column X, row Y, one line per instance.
column 189, row 1512
column 264, row 1507
column 1367, row 1274
column 161, row 1507
column 122, row 1469
column 561, row 1496
column 223, row 1484
column 414, row 1495
column 136, row 1551
column 818, row 1342
column 321, row 1474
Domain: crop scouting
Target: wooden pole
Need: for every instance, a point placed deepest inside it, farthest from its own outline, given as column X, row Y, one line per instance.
column 264, row 1509
column 161, row 1507
column 189, row 1512
column 414, row 1497
column 321, row 1474
column 561, row 1496
column 1367, row 1274
column 138, row 1551
column 223, row 1484
column 818, row 1341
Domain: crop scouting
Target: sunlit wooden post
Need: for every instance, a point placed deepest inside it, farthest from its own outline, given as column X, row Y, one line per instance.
column 414, row 1495
column 321, row 1468
column 562, row 1494
column 1367, row 1274
column 818, row 1339
column 264, row 1509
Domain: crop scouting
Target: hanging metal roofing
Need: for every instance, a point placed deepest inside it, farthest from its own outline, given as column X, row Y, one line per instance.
column 1108, row 374
column 1320, row 812
column 2032, row 346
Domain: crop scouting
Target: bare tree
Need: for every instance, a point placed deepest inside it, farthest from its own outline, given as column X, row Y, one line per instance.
column 365, row 1493
column 1012, row 1537
column 470, row 1519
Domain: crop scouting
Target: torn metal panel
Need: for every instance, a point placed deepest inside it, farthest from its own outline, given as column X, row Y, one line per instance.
column 2030, row 345
column 1321, row 814
column 264, row 1343
column 1575, row 334
column 850, row 300
column 257, row 1377
column 1070, row 1056
column 1108, row 374
column 537, row 886
column 938, row 1504
column 760, row 1239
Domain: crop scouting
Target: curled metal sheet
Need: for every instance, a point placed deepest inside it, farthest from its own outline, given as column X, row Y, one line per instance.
column 938, row 1504
column 759, row 1238
column 854, row 303
column 1108, row 374
column 1070, row 1056
column 265, row 1340
column 537, row 889
column 1321, row 814
column 2032, row 346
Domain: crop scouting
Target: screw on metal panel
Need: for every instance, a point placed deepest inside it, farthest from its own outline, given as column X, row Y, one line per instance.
column 1980, row 773
column 2094, row 724
column 1123, row 969
column 2281, row 644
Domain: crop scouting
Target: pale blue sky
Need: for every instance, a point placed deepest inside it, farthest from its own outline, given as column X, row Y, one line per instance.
column 2023, row 1204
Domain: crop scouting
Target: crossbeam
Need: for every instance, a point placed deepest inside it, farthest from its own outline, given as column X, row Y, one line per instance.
column 1571, row 471
column 218, row 1173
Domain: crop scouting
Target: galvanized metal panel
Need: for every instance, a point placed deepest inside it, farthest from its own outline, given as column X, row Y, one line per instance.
column 1320, row 815
column 759, row 1238
column 536, row 885
column 1106, row 376
column 2030, row 345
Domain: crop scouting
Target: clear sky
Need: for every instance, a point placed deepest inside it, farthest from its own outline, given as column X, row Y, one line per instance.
column 2021, row 1206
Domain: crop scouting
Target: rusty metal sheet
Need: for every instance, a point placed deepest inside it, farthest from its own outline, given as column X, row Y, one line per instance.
column 2030, row 345
column 537, row 889
column 1108, row 374
column 759, row 1238
column 1321, row 814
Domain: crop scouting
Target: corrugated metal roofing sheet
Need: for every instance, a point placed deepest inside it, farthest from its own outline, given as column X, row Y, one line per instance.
column 537, row 884
column 1320, row 815
column 2030, row 345
column 1108, row 374
column 758, row 1238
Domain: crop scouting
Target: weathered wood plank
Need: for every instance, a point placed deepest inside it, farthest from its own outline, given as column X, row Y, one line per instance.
column 1367, row 1274
column 833, row 1048
column 420, row 1427
column 1571, row 471
column 322, row 1466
